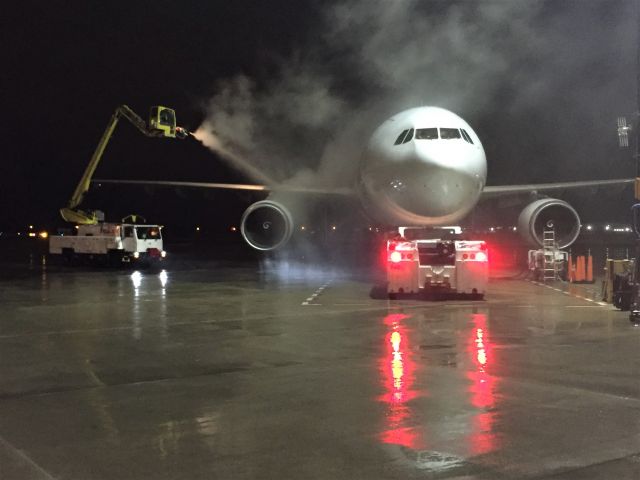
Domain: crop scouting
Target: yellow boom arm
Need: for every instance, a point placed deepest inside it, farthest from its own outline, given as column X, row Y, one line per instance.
column 162, row 123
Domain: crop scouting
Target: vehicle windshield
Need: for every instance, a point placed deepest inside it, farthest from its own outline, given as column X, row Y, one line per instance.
column 148, row 233
column 167, row 117
column 441, row 253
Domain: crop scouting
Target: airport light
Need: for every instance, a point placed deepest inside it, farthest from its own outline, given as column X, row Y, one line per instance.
column 333, row 227
column 30, row 227
column 589, row 227
column 233, row 229
column 32, row 234
column 43, row 235
column 302, row 227
column 197, row 229
column 607, row 228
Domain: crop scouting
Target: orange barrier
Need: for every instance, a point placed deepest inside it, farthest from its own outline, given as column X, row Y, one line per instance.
column 571, row 271
column 580, row 269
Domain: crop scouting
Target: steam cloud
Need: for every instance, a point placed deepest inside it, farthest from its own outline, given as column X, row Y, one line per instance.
column 543, row 67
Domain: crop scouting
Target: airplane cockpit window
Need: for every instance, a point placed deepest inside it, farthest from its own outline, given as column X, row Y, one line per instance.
column 401, row 137
column 409, row 136
column 427, row 134
column 449, row 133
column 466, row 136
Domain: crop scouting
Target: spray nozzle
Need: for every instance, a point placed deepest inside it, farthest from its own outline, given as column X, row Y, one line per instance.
column 182, row 133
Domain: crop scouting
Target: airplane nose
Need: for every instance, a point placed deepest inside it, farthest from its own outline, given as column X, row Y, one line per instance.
column 444, row 178
column 433, row 191
column 434, row 181
column 424, row 184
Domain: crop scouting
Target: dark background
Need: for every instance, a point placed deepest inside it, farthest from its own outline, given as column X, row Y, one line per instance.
column 67, row 65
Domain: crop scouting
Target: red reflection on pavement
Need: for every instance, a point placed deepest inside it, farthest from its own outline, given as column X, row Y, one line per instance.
column 482, row 388
column 398, row 376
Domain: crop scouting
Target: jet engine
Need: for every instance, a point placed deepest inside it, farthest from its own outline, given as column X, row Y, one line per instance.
column 546, row 214
column 266, row 225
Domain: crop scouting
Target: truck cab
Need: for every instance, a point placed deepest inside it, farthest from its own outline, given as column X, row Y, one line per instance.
column 142, row 241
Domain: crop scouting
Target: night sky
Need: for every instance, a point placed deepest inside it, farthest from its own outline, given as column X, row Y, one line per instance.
column 297, row 87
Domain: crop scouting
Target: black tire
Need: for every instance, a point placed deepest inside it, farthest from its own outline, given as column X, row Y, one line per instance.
column 69, row 256
column 378, row 292
column 114, row 258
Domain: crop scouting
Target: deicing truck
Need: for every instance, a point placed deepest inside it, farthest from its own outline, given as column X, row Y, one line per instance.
column 111, row 244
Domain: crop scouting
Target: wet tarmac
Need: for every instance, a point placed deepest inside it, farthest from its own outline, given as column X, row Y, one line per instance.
column 218, row 371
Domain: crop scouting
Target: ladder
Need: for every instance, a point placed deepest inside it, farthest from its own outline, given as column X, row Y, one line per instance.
column 549, row 248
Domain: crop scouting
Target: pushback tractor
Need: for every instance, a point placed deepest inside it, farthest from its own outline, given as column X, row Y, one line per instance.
column 436, row 268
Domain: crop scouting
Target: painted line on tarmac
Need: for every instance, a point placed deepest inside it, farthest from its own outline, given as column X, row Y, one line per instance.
column 311, row 301
column 581, row 306
column 564, row 292
column 27, row 459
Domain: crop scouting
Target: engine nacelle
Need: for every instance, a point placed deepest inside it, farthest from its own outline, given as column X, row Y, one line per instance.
column 548, row 213
column 266, row 225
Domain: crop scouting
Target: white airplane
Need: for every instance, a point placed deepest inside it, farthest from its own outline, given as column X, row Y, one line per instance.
column 422, row 167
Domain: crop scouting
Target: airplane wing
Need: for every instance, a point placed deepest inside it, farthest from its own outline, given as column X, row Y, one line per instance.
column 497, row 190
column 237, row 186
column 488, row 191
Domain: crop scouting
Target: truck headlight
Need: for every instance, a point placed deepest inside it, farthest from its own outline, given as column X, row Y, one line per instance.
column 163, row 254
column 136, row 254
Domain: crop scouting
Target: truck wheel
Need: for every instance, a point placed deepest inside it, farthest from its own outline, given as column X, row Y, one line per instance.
column 69, row 256
column 378, row 292
column 114, row 258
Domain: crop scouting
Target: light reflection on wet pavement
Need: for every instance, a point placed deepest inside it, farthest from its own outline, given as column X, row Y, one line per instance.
column 222, row 373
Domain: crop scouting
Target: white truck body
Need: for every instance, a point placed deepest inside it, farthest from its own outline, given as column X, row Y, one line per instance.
column 115, row 242
column 437, row 266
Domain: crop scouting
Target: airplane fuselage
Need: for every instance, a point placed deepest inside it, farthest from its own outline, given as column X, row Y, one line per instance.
column 424, row 166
